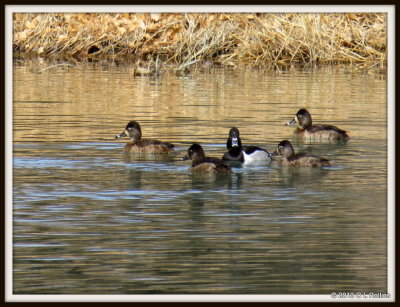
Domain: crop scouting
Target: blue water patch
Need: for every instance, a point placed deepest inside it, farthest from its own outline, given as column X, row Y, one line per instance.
column 38, row 245
column 26, row 162
column 96, row 146
column 63, row 164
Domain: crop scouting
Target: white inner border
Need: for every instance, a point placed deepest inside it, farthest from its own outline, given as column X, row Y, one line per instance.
column 10, row 9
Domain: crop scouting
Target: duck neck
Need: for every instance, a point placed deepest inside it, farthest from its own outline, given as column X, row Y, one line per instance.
column 198, row 160
column 135, row 137
column 307, row 123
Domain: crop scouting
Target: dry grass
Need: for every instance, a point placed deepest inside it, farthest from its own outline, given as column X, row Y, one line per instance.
column 183, row 40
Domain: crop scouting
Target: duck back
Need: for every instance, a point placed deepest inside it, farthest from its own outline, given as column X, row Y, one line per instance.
column 150, row 146
column 209, row 167
column 303, row 159
column 322, row 132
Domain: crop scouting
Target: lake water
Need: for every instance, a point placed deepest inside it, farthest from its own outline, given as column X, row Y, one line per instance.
column 87, row 220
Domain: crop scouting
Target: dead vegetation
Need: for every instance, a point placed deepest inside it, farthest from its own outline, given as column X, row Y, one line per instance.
column 180, row 40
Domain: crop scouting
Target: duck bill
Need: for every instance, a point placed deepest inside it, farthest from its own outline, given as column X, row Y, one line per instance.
column 273, row 154
column 235, row 142
column 185, row 158
column 292, row 122
column 121, row 135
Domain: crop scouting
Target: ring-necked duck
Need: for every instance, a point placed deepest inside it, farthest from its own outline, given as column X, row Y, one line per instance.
column 316, row 132
column 290, row 158
column 137, row 144
column 201, row 163
column 237, row 152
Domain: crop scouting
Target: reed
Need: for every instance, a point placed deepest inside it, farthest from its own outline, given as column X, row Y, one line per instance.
column 180, row 41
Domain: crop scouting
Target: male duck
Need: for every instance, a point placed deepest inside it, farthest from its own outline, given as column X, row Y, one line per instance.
column 137, row 144
column 316, row 132
column 290, row 158
column 237, row 152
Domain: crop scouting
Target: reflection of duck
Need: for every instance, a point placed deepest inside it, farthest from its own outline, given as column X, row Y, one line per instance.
column 237, row 152
column 299, row 177
column 148, row 157
column 204, row 164
column 290, row 158
column 137, row 144
column 316, row 132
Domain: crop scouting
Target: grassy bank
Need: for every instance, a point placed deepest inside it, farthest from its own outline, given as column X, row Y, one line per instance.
column 180, row 40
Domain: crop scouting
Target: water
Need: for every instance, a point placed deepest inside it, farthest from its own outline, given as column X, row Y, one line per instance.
column 87, row 220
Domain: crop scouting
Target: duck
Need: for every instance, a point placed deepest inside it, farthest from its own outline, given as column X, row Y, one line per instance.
column 290, row 158
column 317, row 132
column 138, row 145
column 244, row 154
column 203, row 164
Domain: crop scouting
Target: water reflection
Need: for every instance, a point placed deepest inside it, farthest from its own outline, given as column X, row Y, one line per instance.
column 173, row 107
column 89, row 219
column 138, row 157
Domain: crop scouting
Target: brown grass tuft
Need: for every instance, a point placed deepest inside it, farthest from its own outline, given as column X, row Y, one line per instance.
column 182, row 40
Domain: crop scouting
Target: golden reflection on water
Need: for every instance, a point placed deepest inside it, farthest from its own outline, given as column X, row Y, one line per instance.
column 93, row 103
column 81, row 212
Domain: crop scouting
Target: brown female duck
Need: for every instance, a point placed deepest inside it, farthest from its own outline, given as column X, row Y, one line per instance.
column 137, row 144
column 203, row 164
column 316, row 132
column 290, row 158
